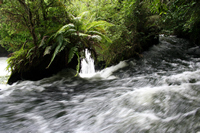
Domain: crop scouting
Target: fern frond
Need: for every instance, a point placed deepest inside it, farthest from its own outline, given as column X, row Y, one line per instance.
column 59, row 40
column 30, row 52
column 97, row 38
column 47, row 50
column 82, row 34
column 100, row 34
column 76, row 20
column 72, row 51
column 42, row 43
column 83, row 14
column 94, row 24
column 90, row 20
column 64, row 28
column 69, row 32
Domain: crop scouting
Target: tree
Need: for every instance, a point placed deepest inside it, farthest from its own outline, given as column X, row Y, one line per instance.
column 30, row 20
column 180, row 17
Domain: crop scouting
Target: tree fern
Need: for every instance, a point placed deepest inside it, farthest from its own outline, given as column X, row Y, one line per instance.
column 82, row 33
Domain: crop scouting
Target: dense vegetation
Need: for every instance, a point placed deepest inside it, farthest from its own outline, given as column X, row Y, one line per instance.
column 113, row 30
column 179, row 17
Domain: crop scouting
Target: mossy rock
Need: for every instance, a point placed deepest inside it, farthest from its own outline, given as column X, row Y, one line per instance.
column 38, row 68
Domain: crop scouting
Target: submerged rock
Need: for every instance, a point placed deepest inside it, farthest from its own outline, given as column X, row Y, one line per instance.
column 194, row 51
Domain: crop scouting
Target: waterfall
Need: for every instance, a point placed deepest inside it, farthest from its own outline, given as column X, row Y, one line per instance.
column 3, row 73
column 88, row 68
column 87, row 65
column 3, row 65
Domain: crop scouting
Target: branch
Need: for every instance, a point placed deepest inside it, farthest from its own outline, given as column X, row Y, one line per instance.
column 31, row 27
column 13, row 14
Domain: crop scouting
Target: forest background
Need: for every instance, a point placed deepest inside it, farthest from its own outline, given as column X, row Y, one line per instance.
column 113, row 30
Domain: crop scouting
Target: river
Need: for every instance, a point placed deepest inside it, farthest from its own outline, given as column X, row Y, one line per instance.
column 156, row 94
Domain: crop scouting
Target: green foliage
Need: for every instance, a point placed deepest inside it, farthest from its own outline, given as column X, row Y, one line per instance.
column 130, row 30
column 72, row 52
column 28, row 21
column 181, row 17
column 130, row 33
column 22, row 59
column 113, row 30
column 84, row 32
column 24, row 27
column 158, row 7
column 17, row 60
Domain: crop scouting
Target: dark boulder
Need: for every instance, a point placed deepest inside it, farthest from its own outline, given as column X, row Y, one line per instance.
column 38, row 68
column 194, row 51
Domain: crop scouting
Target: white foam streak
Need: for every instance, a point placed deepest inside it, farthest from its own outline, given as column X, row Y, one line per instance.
column 184, row 77
column 5, row 91
column 105, row 73
column 41, row 123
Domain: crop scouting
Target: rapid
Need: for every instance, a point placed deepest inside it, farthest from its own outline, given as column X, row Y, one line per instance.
column 157, row 94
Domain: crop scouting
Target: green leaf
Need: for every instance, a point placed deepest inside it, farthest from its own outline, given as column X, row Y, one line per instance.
column 100, row 34
column 72, row 51
column 42, row 43
column 66, row 27
column 47, row 50
column 70, row 31
column 30, row 52
column 82, row 34
column 63, row 29
column 96, row 37
column 59, row 40
column 81, row 15
column 99, row 24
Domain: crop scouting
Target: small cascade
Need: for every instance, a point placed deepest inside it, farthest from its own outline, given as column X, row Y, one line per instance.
column 88, row 68
column 4, row 75
column 87, row 65
column 3, row 65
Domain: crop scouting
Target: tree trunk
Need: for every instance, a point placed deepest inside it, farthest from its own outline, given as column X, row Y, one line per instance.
column 31, row 25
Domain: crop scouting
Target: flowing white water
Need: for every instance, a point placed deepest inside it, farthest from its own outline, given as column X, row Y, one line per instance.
column 87, row 65
column 157, row 94
column 3, row 65
column 88, row 68
column 3, row 73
